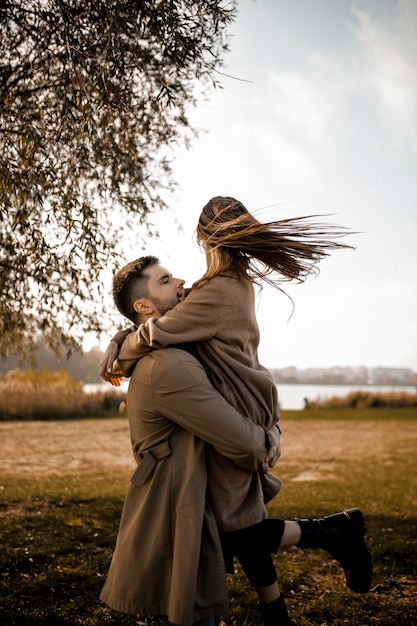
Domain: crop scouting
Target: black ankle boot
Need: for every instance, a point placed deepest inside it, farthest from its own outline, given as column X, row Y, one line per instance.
column 342, row 534
column 275, row 613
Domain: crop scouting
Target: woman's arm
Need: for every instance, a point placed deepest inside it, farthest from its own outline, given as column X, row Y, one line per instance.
column 197, row 318
column 108, row 369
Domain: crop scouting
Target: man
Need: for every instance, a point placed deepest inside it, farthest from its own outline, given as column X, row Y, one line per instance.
column 168, row 558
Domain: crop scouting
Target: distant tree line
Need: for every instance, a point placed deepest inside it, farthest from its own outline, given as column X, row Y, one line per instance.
column 80, row 366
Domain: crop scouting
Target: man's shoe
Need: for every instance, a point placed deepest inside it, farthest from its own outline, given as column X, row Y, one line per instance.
column 342, row 535
column 275, row 613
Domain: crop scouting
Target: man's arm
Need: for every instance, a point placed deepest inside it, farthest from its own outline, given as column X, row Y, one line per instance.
column 184, row 395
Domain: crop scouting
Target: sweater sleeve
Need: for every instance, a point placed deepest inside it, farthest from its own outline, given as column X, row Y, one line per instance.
column 197, row 318
column 184, row 395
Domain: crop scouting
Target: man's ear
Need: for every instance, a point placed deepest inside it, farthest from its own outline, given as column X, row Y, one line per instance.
column 143, row 306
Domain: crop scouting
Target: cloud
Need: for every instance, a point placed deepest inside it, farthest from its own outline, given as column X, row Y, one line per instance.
column 300, row 105
column 388, row 67
column 328, row 101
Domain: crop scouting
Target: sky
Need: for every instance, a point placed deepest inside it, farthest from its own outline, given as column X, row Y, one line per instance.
column 317, row 115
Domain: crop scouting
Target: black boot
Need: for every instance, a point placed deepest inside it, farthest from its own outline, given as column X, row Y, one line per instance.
column 275, row 613
column 342, row 534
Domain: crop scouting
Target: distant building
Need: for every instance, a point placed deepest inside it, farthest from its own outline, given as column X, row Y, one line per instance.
column 345, row 376
column 390, row 376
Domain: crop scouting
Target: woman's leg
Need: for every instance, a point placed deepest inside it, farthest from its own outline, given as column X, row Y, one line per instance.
column 341, row 534
column 252, row 548
column 291, row 535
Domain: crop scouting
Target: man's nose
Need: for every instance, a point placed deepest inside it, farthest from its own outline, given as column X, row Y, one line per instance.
column 181, row 282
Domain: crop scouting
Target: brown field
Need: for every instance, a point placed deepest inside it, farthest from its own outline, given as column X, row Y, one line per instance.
column 315, row 446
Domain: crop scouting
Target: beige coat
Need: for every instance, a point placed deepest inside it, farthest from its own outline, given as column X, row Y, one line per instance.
column 220, row 317
column 167, row 559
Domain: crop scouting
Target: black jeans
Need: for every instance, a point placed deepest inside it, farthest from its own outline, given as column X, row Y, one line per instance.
column 252, row 546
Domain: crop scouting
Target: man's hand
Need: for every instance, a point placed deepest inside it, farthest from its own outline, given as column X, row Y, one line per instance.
column 110, row 371
column 275, row 450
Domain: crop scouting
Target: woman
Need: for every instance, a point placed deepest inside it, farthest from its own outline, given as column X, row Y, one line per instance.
column 218, row 316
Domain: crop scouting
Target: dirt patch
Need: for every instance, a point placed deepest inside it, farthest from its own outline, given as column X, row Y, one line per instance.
column 320, row 446
column 63, row 447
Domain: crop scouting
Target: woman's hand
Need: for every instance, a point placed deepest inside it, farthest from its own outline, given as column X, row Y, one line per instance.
column 109, row 368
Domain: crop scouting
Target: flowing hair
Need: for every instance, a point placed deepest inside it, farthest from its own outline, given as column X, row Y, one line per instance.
column 235, row 240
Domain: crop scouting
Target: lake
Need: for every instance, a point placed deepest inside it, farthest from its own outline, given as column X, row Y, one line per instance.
column 291, row 397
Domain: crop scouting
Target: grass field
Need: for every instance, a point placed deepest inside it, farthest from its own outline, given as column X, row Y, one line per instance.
column 61, row 492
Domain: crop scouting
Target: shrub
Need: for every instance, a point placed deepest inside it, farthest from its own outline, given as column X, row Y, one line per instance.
column 43, row 394
column 367, row 399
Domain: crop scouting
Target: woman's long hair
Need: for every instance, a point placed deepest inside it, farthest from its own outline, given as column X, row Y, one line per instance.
column 235, row 240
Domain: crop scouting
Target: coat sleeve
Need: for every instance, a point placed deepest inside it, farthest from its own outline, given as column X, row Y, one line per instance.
column 197, row 318
column 184, row 395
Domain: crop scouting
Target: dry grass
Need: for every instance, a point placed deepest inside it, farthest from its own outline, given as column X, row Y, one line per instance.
column 367, row 399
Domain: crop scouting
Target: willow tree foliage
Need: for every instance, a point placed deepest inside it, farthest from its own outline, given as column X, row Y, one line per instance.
column 90, row 91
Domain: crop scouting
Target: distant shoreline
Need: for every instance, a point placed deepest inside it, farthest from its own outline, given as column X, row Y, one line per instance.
column 342, row 384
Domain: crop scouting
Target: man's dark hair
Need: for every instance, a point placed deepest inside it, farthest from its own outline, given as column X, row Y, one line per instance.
column 130, row 283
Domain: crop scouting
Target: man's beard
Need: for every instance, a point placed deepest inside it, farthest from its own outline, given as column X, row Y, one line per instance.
column 164, row 306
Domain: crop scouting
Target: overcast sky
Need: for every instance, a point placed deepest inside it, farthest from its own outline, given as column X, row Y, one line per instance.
column 321, row 117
